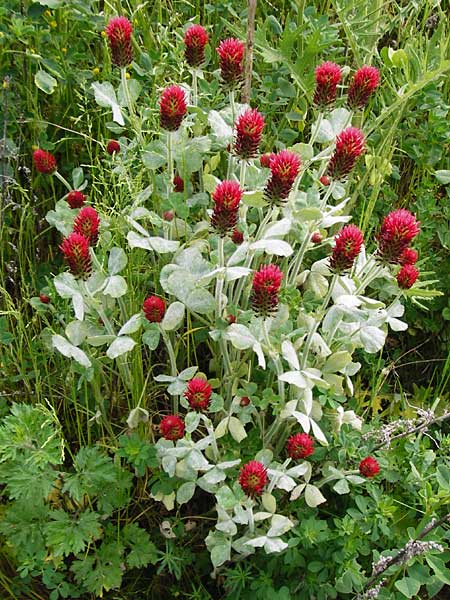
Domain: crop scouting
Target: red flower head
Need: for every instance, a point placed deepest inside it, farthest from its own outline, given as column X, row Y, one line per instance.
column 409, row 256
column 324, row 180
column 328, row 76
column 249, row 128
column 253, row 478
column 364, row 83
column 265, row 289
column 237, row 236
column 172, row 427
column 87, row 223
column 113, row 147
column 397, row 231
column 119, row 31
column 195, row 40
column 231, row 61
column 198, row 393
column 172, row 108
column 44, row 162
column 44, row 298
column 264, row 159
column 407, row 276
column 226, row 198
column 75, row 248
column 154, row 309
column 369, row 467
column 178, row 184
column 347, row 246
column 76, row 199
column 284, row 168
column 316, row 237
column 300, row 445
column 349, row 147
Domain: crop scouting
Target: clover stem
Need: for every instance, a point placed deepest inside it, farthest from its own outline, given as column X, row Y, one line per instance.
column 63, row 180
column 169, row 163
column 173, row 362
column 194, row 87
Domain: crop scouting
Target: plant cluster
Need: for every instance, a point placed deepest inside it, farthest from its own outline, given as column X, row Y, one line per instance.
column 244, row 250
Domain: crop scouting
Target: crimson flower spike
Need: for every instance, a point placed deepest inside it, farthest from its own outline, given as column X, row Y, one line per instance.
column 87, row 223
column 172, row 108
column 231, row 61
column 118, row 32
column 44, row 161
column 347, row 246
column 154, row 309
column 350, row 144
column 249, row 127
column 253, row 478
column 328, row 76
column 195, row 40
column 226, row 197
column 397, row 231
column 364, row 83
column 284, row 168
column 198, row 394
column 265, row 289
column 75, row 248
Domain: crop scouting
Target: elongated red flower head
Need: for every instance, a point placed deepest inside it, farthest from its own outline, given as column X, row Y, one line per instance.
column 347, row 246
column 328, row 76
column 300, row 445
column 76, row 199
column 154, row 309
column 265, row 289
column 350, row 144
column 231, row 61
column 237, row 237
column 397, row 231
column 198, row 394
column 407, row 276
column 284, row 168
column 119, row 31
column 178, row 184
column 112, row 147
column 226, row 198
column 369, row 467
column 87, row 223
column 44, row 161
column 365, row 81
column 409, row 256
column 75, row 248
column 172, row 108
column 253, row 478
column 172, row 427
column 195, row 40
column 249, row 127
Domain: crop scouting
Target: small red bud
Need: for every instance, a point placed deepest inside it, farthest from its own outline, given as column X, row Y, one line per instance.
column 245, row 401
column 231, row 319
column 168, row 215
column 44, row 299
column 324, row 180
column 316, row 238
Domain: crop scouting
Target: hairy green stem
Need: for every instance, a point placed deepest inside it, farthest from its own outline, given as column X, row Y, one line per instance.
column 63, row 180
column 169, row 163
